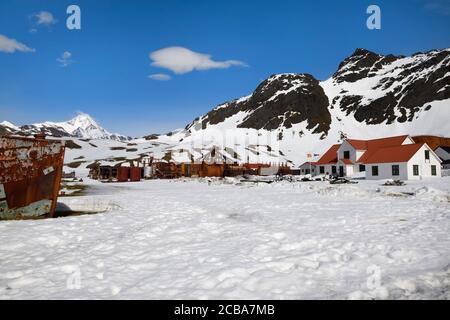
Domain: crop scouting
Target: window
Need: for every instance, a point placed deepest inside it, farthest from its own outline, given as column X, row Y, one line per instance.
column 375, row 171
column 346, row 154
column 395, row 170
column 433, row 171
column 427, row 154
column 333, row 169
column 362, row 168
column 322, row 169
column 415, row 170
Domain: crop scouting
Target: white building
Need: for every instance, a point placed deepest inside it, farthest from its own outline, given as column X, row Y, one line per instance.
column 406, row 162
column 308, row 168
column 388, row 158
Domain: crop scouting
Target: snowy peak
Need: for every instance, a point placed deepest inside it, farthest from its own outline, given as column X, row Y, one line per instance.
column 84, row 121
column 82, row 126
column 362, row 63
column 9, row 125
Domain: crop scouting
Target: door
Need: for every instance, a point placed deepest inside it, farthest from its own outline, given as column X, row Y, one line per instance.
column 341, row 171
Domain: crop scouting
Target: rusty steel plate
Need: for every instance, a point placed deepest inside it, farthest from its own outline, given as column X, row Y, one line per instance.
column 30, row 173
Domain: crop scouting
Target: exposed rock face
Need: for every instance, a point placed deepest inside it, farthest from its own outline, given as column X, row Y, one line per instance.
column 368, row 87
column 278, row 102
column 53, row 131
column 370, row 95
column 361, row 64
column 397, row 88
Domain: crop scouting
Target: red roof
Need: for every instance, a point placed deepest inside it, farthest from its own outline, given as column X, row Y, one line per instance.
column 402, row 153
column 375, row 144
column 358, row 144
column 330, row 156
column 371, row 148
column 346, row 161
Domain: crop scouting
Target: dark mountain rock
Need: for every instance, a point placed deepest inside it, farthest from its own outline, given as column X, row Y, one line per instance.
column 399, row 88
column 416, row 83
column 361, row 64
column 57, row 132
column 280, row 101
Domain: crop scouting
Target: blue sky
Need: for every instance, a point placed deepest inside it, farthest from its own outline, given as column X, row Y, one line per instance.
column 106, row 69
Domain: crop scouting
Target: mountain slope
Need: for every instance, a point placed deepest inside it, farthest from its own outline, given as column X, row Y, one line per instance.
column 290, row 115
column 281, row 100
column 369, row 96
column 387, row 89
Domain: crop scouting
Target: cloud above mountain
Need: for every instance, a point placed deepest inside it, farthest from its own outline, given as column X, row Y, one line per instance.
column 12, row 45
column 181, row 60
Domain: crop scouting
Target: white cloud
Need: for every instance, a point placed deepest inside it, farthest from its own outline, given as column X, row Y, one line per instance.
column 45, row 18
column 12, row 45
column 65, row 60
column 160, row 77
column 182, row 60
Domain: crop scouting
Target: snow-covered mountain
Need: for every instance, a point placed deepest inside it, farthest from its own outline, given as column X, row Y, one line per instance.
column 290, row 115
column 369, row 96
column 82, row 126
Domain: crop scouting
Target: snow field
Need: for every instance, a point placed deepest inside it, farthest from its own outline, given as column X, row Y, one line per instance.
column 200, row 239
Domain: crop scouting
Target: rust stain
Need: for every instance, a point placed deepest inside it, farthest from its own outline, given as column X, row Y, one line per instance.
column 30, row 171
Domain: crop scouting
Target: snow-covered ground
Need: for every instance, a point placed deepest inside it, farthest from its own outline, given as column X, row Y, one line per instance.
column 196, row 239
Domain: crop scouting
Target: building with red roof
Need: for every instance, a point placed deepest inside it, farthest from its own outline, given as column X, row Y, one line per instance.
column 396, row 157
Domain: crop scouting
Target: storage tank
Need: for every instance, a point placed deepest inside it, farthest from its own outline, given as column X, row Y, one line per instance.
column 123, row 174
column 135, row 174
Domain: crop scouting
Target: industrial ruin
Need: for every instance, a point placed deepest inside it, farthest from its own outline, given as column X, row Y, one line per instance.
column 31, row 170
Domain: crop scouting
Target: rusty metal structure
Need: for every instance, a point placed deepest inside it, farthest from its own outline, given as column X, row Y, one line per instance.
column 135, row 174
column 123, row 174
column 30, row 176
column 166, row 169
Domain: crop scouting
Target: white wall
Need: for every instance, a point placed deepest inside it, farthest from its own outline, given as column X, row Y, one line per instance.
column 424, row 165
column 314, row 169
column 349, row 170
column 406, row 168
column 385, row 171
column 408, row 140
column 345, row 146
column 327, row 168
